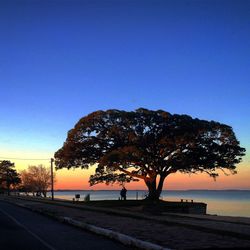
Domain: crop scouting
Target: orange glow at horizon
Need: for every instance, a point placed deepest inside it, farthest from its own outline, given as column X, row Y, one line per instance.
column 78, row 179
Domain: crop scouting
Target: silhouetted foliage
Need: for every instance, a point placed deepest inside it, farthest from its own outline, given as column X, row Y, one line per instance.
column 148, row 145
column 36, row 179
column 9, row 178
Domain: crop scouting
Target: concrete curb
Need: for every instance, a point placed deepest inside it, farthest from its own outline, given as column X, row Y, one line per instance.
column 122, row 238
column 240, row 235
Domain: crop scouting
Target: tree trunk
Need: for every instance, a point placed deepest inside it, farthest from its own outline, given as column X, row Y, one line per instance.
column 154, row 191
column 160, row 184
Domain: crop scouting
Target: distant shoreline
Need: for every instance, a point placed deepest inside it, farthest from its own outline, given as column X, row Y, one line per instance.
column 169, row 190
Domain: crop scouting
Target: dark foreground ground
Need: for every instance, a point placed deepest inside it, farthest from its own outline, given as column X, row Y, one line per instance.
column 174, row 231
column 21, row 229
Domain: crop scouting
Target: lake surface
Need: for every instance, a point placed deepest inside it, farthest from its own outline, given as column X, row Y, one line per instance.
column 220, row 202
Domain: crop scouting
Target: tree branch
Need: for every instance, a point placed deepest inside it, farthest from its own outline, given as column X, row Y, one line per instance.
column 131, row 174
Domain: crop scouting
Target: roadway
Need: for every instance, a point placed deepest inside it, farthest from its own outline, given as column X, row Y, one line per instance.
column 24, row 229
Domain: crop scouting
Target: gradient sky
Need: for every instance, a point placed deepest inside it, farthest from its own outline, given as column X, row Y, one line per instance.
column 60, row 60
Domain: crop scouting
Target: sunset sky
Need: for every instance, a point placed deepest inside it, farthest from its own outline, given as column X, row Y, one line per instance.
column 61, row 60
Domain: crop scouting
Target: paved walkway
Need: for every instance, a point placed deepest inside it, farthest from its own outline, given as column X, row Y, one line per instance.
column 174, row 231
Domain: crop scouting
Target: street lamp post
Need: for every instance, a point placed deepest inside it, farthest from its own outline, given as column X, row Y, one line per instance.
column 52, row 178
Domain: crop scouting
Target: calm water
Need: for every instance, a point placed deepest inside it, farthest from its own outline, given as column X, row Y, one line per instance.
column 226, row 202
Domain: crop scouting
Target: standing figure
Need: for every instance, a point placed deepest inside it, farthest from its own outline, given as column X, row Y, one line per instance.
column 123, row 193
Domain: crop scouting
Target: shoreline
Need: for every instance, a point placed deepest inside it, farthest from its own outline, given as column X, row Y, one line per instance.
column 221, row 203
column 165, row 190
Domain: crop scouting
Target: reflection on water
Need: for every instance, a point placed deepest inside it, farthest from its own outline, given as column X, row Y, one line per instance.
column 220, row 202
column 232, row 208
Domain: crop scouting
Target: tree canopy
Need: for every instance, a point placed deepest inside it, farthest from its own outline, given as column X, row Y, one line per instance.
column 9, row 178
column 148, row 145
column 36, row 179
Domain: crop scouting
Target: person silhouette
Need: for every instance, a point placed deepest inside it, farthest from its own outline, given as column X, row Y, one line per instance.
column 123, row 193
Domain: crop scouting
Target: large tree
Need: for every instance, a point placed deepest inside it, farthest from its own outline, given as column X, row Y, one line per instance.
column 148, row 145
column 9, row 178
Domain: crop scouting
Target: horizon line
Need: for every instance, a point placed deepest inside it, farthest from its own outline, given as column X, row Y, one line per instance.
column 234, row 189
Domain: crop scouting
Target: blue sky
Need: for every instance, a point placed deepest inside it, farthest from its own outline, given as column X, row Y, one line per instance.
column 60, row 60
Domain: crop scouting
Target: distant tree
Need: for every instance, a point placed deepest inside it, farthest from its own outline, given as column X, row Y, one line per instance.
column 148, row 145
column 9, row 178
column 36, row 179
